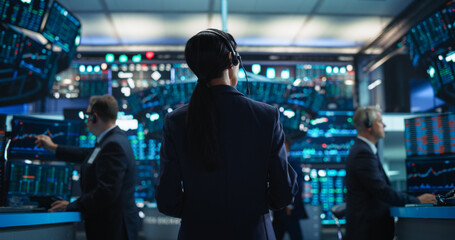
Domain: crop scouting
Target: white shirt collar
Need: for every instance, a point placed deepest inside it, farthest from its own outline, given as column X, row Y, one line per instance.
column 372, row 146
column 104, row 133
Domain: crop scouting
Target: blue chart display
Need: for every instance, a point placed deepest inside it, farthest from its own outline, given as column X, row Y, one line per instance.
column 11, row 44
column 430, row 175
column 430, row 135
column 26, row 14
column 62, row 27
column 329, row 138
column 147, row 175
column 324, row 186
column 25, row 130
column 39, row 180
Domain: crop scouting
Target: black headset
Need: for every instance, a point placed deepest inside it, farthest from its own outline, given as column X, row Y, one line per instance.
column 235, row 59
column 93, row 119
column 367, row 123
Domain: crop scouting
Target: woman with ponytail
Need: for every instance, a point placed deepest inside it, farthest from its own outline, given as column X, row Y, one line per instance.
column 223, row 158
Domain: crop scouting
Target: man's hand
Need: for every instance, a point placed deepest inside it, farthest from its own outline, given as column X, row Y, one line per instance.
column 427, row 198
column 46, row 142
column 58, row 206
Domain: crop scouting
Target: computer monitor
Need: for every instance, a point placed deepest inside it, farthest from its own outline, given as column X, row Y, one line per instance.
column 329, row 138
column 37, row 58
column 147, row 175
column 430, row 175
column 324, row 186
column 62, row 27
column 26, row 14
column 25, row 180
column 430, row 135
column 11, row 45
column 2, row 154
column 26, row 129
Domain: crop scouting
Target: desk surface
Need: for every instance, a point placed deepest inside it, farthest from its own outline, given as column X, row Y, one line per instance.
column 27, row 219
column 423, row 212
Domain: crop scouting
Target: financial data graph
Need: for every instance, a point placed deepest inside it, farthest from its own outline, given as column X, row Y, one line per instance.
column 430, row 175
column 430, row 135
column 39, row 180
column 25, row 130
column 324, row 186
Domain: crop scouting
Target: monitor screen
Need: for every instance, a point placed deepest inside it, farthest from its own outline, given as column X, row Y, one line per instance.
column 329, row 138
column 2, row 138
column 39, row 180
column 36, row 58
column 11, row 44
column 430, row 135
column 26, row 14
column 147, row 175
column 324, row 186
column 2, row 154
column 26, row 129
column 62, row 27
column 430, row 175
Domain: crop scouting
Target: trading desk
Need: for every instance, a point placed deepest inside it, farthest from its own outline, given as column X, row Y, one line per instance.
column 39, row 226
column 424, row 222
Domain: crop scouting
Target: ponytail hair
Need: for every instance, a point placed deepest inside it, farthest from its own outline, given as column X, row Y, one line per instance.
column 207, row 56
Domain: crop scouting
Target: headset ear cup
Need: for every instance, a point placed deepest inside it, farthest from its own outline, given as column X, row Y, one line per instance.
column 234, row 58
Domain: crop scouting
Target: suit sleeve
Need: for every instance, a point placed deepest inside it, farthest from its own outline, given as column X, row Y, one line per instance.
column 111, row 168
column 370, row 177
column 72, row 154
column 169, row 193
column 282, row 178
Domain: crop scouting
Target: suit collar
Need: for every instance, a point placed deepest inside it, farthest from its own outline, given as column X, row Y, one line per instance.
column 226, row 89
column 373, row 148
column 106, row 133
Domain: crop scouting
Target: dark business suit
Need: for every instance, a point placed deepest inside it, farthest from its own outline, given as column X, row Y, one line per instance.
column 282, row 222
column 369, row 196
column 233, row 201
column 107, row 200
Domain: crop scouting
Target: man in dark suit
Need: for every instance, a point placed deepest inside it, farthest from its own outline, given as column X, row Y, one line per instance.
column 108, row 175
column 288, row 218
column 222, row 178
column 369, row 195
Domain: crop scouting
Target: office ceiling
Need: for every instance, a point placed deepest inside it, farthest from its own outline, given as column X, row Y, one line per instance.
column 258, row 25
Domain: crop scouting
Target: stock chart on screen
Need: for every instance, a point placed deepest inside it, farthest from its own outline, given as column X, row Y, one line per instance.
column 430, row 175
column 26, row 129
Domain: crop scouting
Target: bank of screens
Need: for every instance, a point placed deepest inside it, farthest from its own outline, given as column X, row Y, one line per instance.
column 26, row 129
column 430, row 135
column 324, row 186
column 430, row 175
column 62, row 27
column 38, row 180
column 26, row 14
